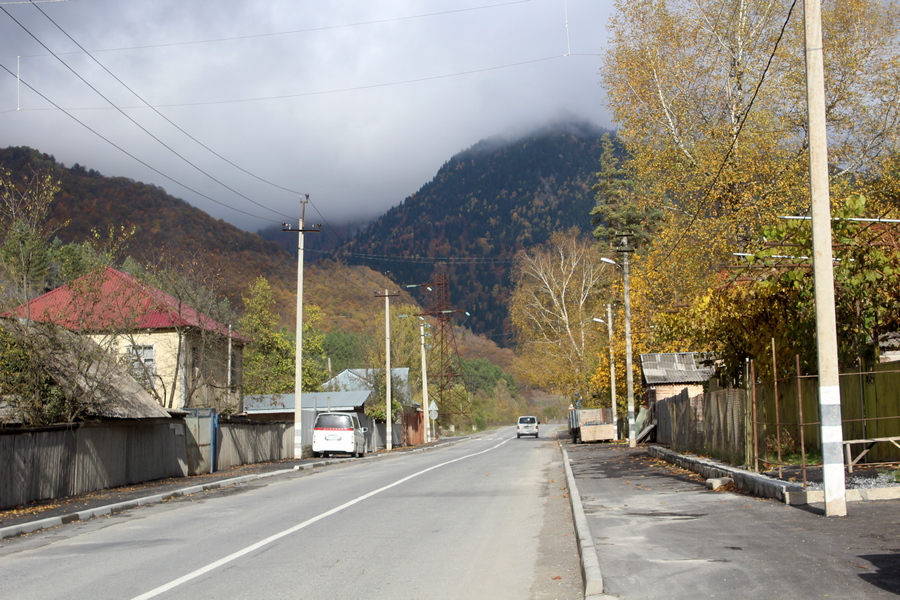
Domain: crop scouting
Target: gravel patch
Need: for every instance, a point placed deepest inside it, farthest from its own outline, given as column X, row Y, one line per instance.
column 862, row 482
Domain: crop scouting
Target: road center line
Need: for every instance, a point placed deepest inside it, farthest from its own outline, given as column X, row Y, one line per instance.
column 272, row 538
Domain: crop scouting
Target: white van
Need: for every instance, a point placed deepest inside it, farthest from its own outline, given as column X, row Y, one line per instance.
column 338, row 432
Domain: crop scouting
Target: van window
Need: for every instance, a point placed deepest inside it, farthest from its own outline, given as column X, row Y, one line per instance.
column 333, row 422
column 527, row 419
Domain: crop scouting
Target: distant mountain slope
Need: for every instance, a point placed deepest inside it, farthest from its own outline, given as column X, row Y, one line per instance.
column 169, row 226
column 483, row 206
column 166, row 225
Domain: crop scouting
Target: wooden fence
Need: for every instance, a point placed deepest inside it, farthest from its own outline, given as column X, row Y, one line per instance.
column 773, row 423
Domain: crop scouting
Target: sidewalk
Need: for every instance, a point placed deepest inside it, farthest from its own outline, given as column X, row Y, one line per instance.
column 657, row 532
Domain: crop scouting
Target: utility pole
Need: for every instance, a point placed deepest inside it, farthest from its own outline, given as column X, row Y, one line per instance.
column 298, row 361
column 625, row 250
column 823, row 267
column 427, row 419
column 388, row 432
column 629, row 367
column 612, row 370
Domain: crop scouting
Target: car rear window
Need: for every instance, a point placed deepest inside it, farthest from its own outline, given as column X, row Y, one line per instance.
column 333, row 422
column 527, row 419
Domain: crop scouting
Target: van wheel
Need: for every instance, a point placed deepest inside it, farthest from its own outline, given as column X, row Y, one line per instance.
column 316, row 454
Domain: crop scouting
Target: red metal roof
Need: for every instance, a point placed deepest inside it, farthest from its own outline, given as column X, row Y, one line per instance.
column 112, row 300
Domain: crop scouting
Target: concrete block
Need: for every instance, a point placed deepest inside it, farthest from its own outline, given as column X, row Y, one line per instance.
column 715, row 483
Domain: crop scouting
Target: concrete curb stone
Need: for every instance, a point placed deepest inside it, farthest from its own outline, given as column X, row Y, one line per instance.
column 590, row 564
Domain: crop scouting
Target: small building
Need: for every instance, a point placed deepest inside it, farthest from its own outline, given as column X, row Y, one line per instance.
column 666, row 374
column 366, row 379
column 182, row 357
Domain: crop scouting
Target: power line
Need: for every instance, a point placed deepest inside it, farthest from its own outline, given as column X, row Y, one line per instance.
column 340, row 90
column 290, row 32
column 414, row 259
column 129, row 154
column 147, row 104
column 123, row 113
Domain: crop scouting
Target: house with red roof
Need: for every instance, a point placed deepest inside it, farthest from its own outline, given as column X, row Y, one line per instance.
column 184, row 358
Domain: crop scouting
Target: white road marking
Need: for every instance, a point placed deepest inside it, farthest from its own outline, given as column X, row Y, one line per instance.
column 272, row 538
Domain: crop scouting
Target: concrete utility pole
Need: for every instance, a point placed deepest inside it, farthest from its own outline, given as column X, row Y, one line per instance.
column 388, row 432
column 298, row 361
column 629, row 367
column 612, row 365
column 823, row 267
column 612, row 370
column 625, row 250
column 427, row 419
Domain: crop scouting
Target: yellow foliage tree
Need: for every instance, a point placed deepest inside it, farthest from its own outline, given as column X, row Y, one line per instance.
column 559, row 287
column 709, row 95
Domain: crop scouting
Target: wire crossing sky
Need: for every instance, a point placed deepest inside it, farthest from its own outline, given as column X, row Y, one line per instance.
column 239, row 106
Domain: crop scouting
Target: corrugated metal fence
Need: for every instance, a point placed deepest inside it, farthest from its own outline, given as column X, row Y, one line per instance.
column 712, row 424
column 52, row 462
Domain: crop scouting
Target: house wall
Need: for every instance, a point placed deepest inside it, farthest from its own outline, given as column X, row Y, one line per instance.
column 659, row 392
column 179, row 382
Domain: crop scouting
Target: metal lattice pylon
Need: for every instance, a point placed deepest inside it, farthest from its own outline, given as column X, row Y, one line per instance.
column 453, row 401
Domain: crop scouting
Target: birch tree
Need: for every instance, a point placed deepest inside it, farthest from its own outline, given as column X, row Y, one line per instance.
column 710, row 99
column 559, row 287
column 25, row 231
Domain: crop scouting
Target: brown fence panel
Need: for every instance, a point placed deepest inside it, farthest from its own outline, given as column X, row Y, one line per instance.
column 711, row 424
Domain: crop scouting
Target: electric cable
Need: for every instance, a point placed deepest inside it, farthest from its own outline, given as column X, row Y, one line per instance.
column 124, row 114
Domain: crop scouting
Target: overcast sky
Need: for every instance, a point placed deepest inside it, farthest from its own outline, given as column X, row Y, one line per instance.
column 239, row 105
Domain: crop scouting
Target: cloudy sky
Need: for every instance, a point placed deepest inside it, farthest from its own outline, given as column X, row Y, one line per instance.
column 238, row 106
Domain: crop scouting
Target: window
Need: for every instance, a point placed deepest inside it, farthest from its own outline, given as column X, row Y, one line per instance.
column 143, row 364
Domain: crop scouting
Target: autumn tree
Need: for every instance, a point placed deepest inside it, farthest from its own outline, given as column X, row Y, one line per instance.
column 774, row 297
column 25, row 231
column 269, row 356
column 405, row 353
column 559, row 287
column 709, row 95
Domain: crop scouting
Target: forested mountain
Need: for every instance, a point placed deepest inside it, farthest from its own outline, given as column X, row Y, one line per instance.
column 171, row 231
column 483, row 206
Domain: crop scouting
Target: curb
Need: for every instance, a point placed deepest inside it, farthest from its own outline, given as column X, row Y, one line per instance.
column 84, row 515
column 763, row 486
column 748, row 481
column 590, row 564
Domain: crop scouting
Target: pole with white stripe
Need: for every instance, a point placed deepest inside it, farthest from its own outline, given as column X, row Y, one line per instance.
column 823, row 268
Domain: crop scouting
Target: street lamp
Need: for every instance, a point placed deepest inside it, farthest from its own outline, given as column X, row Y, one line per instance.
column 425, row 408
column 612, row 369
column 629, row 369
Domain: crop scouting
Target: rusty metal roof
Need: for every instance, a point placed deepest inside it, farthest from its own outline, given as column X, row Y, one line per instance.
column 677, row 367
column 113, row 300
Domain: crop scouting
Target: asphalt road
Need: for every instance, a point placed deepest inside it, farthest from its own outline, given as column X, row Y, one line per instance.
column 484, row 518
